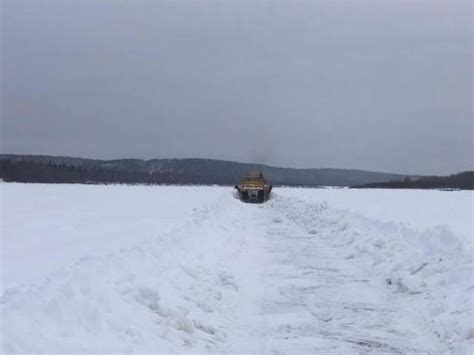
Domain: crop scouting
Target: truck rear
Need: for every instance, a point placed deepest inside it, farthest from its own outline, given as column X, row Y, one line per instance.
column 254, row 188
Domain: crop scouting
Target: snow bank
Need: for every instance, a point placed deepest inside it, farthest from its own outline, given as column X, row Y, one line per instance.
column 417, row 209
column 167, row 294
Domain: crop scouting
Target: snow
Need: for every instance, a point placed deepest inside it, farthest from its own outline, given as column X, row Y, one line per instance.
column 100, row 269
column 421, row 209
column 45, row 227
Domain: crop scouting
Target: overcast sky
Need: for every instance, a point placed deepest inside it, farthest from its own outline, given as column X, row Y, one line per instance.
column 379, row 86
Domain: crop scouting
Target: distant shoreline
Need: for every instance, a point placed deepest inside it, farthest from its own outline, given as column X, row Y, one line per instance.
column 195, row 172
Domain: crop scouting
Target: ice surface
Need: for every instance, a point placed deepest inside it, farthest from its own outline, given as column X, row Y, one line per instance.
column 191, row 269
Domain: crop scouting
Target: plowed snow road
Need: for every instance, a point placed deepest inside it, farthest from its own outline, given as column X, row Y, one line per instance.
column 287, row 276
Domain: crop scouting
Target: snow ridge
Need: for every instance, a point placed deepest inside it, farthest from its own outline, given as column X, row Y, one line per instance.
column 156, row 296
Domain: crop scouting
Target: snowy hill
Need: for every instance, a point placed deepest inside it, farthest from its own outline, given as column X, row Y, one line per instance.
column 101, row 269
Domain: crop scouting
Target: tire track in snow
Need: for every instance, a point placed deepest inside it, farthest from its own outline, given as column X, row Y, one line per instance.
column 297, row 275
column 320, row 301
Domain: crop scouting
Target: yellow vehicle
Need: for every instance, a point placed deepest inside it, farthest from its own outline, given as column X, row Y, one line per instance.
column 254, row 188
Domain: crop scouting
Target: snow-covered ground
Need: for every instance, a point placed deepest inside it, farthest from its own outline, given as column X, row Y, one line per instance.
column 422, row 209
column 192, row 269
column 46, row 227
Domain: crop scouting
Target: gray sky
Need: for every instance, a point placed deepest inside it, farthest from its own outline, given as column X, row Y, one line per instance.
column 380, row 86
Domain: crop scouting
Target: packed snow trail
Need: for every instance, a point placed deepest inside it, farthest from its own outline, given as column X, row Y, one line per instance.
column 320, row 295
column 287, row 276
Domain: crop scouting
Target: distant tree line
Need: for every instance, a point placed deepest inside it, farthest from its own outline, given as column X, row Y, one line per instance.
column 464, row 181
column 54, row 169
column 29, row 171
column 57, row 169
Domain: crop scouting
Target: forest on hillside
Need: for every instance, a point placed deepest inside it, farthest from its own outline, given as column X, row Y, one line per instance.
column 463, row 181
column 54, row 169
column 50, row 169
